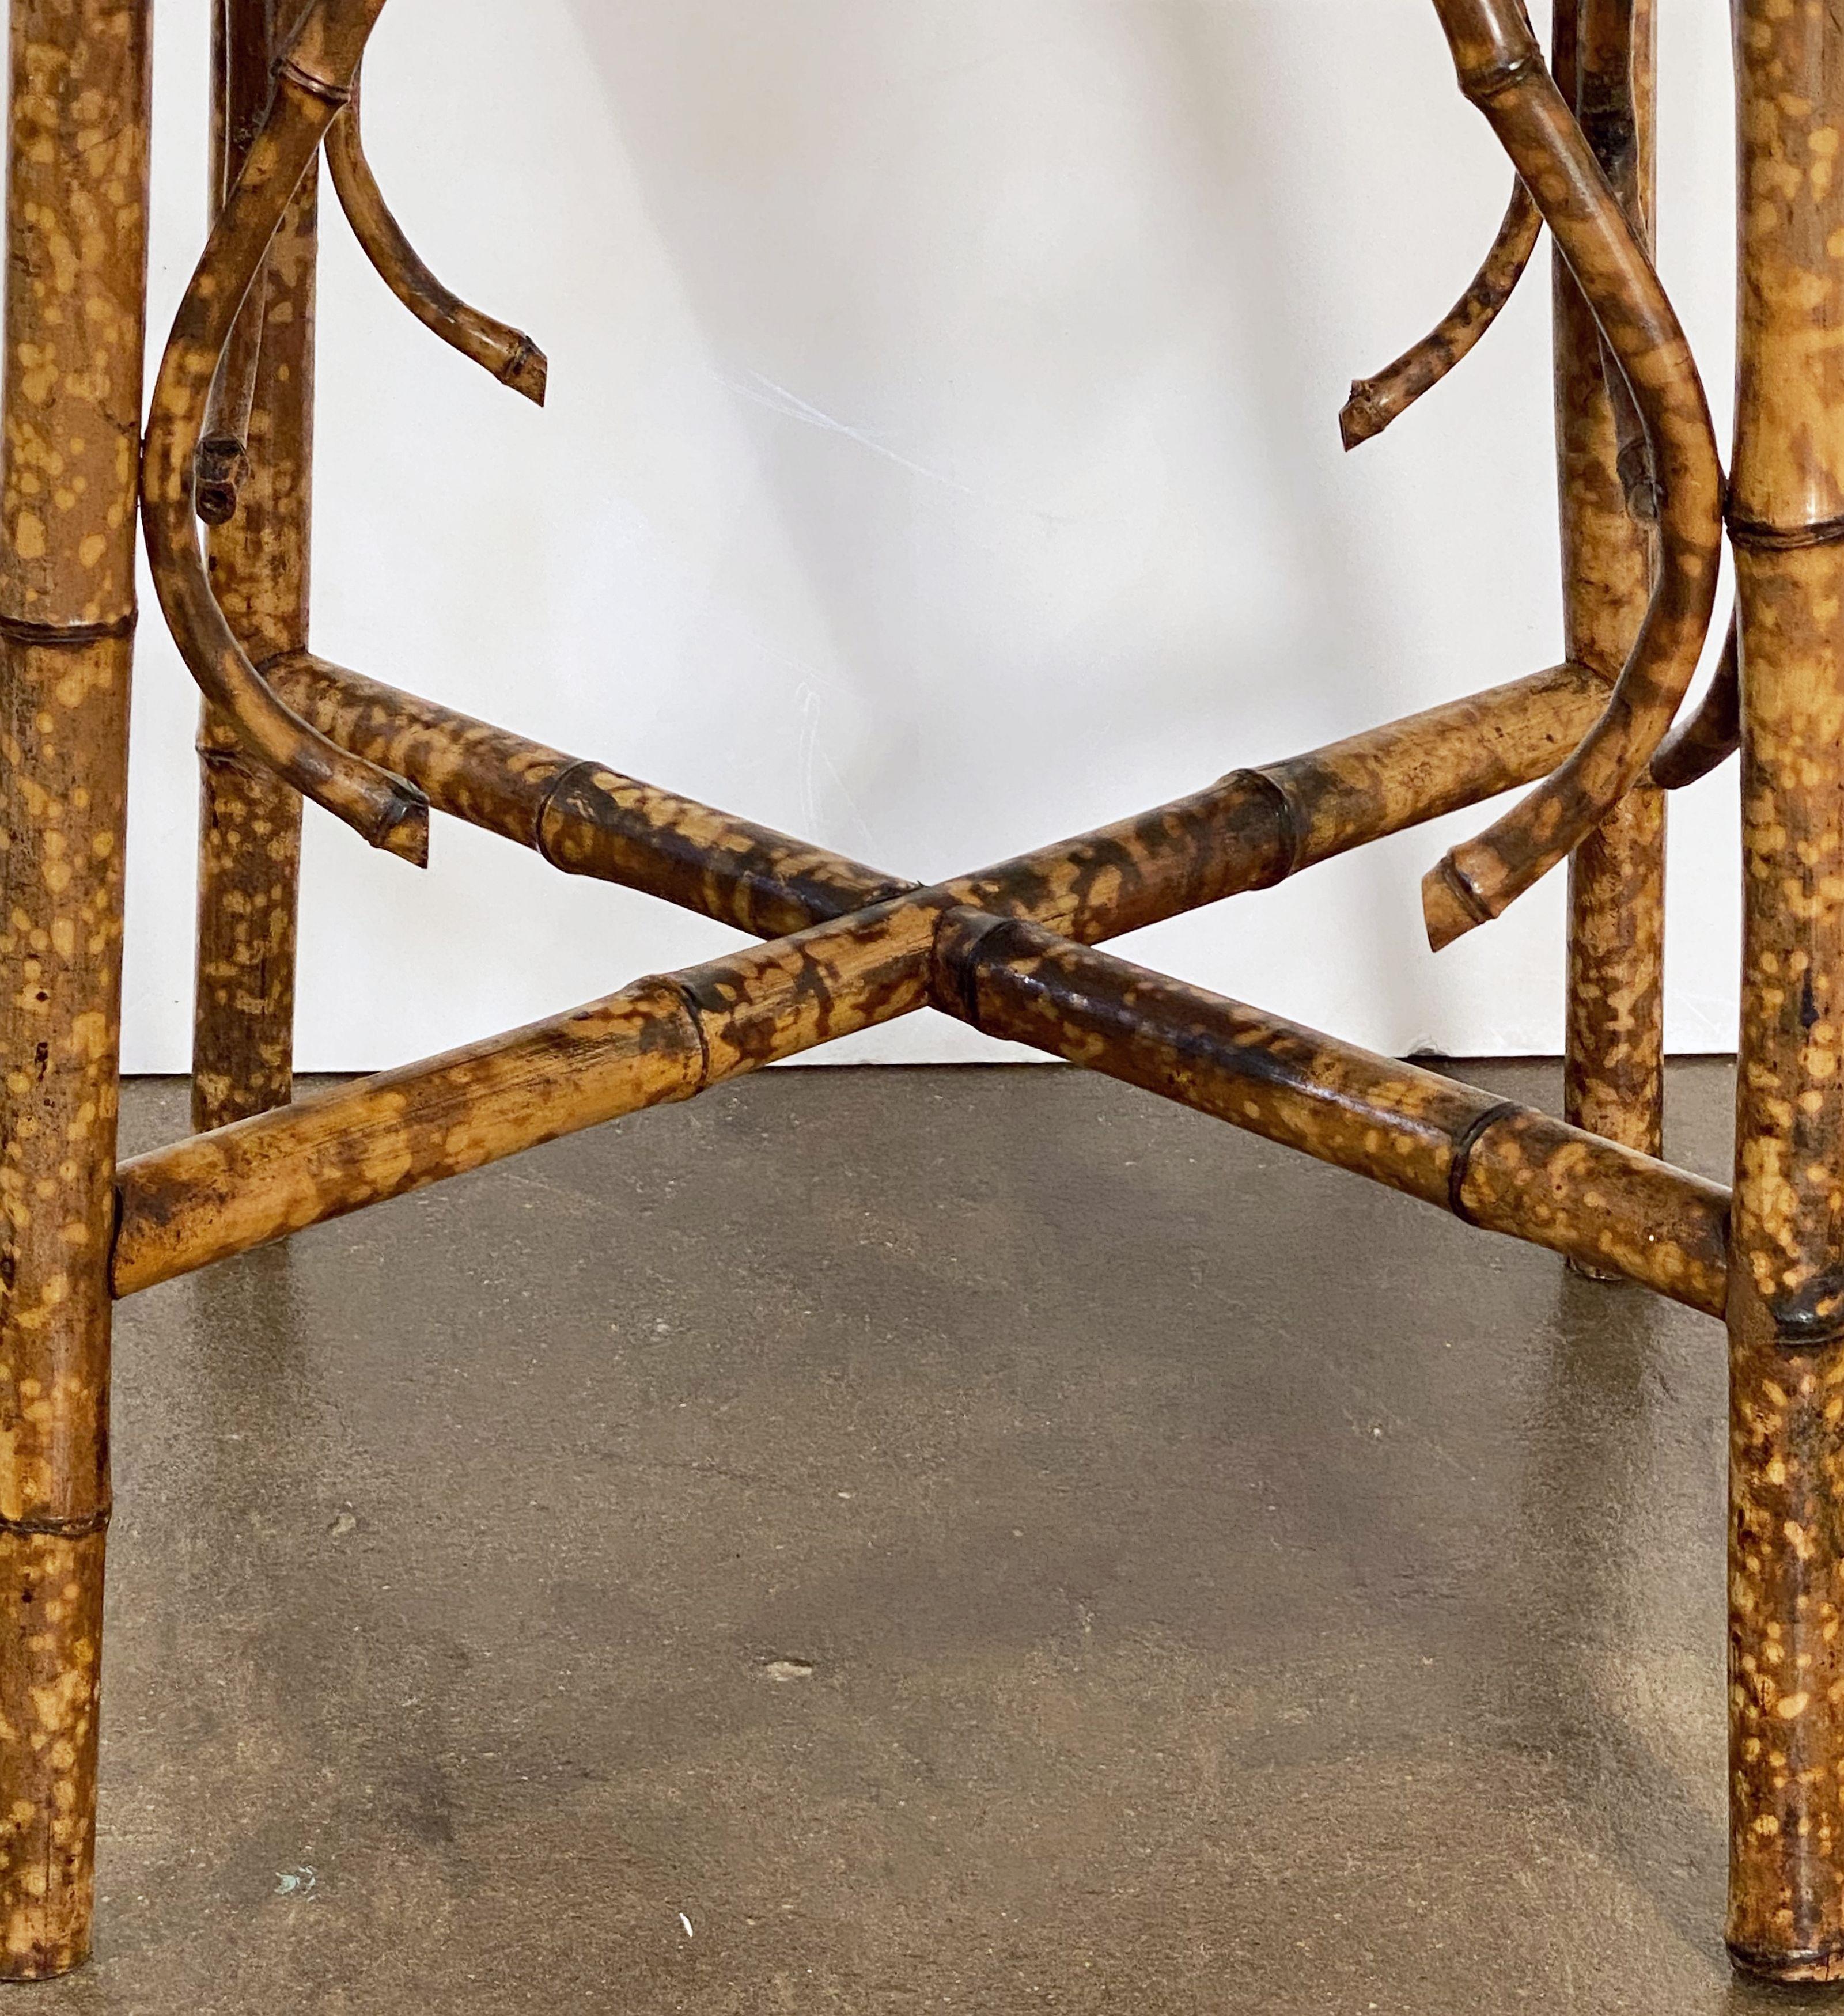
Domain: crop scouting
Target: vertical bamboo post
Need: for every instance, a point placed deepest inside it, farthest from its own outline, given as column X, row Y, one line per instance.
column 250, row 822
column 1786, row 1304
column 76, row 221
column 1606, row 65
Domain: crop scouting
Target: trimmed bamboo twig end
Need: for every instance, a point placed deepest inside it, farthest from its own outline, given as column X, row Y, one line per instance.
column 1450, row 905
column 221, row 464
column 1362, row 419
column 527, row 371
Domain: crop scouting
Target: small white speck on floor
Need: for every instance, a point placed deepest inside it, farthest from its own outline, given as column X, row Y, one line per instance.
column 686, row 1922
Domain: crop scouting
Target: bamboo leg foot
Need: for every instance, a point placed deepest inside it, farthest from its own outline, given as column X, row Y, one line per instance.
column 50, row 1615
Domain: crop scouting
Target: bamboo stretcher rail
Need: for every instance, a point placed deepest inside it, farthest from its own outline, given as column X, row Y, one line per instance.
column 1498, row 1165
column 222, row 1194
column 1250, row 830
column 666, row 1038
column 502, row 351
column 1377, row 403
column 1501, row 70
column 313, row 82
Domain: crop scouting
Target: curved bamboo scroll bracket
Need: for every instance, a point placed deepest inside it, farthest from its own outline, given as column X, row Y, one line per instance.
column 1375, row 402
column 312, row 83
column 1502, row 70
column 508, row 354
column 1706, row 741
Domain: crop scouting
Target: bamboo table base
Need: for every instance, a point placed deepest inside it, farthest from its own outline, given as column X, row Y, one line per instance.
column 1010, row 949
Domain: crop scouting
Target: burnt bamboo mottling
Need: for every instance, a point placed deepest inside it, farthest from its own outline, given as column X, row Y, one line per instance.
column 1786, row 1308
column 1252, row 829
column 250, row 822
column 1605, row 64
column 1497, row 1165
column 508, row 354
column 76, row 223
column 1502, row 70
column 1376, row 403
column 313, row 82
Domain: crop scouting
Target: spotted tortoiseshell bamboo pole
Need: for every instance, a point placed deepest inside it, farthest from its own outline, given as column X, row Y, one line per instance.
column 1251, row 830
column 667, row 1039
column 250, row 822
column 313, row 82
column 77, row 225
column 1501, row 69
column 1786, row 1306
column 1497, row 1165
column 1605, row 64
column 1376, row 403
column 508, row 354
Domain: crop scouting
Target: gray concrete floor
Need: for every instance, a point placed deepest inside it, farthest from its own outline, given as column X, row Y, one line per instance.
column 889, row 1541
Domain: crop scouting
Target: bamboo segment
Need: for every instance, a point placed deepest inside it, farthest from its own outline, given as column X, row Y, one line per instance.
column 580, row 817
column 250, row 822
column 1786, row 1310
column 659, row 1041
column 508, row 354
column 1713, row 733
column 1501, row 70
column 313, row 82
column 1253, row 829
column 1496, row 1164
column 77, row 212
column 1375, row 403
column 1614, row 1080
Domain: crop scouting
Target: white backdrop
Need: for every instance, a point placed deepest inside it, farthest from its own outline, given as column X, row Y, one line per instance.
column 941, row 457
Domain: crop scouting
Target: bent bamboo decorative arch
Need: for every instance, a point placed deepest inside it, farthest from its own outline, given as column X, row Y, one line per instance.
column 1011, row 949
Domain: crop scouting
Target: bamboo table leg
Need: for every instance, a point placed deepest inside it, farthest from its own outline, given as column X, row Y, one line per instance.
column 1786, row 1308
column 250, row 822
column 76, row 214
column 1605, row 64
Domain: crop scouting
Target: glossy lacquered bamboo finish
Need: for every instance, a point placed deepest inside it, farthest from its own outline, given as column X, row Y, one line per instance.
column 77, row 221
column 249, row 822
column 1501, row 69
column 1605, row 64
column 1786, row 1313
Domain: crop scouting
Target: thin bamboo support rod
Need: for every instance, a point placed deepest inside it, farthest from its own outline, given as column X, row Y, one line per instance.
column 313, row 82
column 661, row 1040
column 250, row 822
column 580, row 818
column 1377, row 403
column 1786, row 1312
column 1251, row 830
column 1606, row 65
column 1501, row 70
column 76, row 208
column 223, row 459
column 1498, row 1165
column 1706, row 741
column 505, row 353
column 224, row 1193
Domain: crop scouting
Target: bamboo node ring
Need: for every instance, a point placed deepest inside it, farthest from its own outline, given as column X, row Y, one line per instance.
column 1463, row 1155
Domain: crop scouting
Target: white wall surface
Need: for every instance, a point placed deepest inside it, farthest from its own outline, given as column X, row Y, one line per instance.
column 941, row 457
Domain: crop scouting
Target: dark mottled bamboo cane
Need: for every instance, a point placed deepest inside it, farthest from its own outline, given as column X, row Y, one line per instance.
column 312, row 83
column 250, row 822
column 77, row 221
column 507, row 354
column 1250, row 830
column 1495, row 1163
column 1706, row 741
column 224, row 1194
column 1376, row 403
column 667, row 1039
column 1501, row 69
column 1786, row 1308
column 1605, row 63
